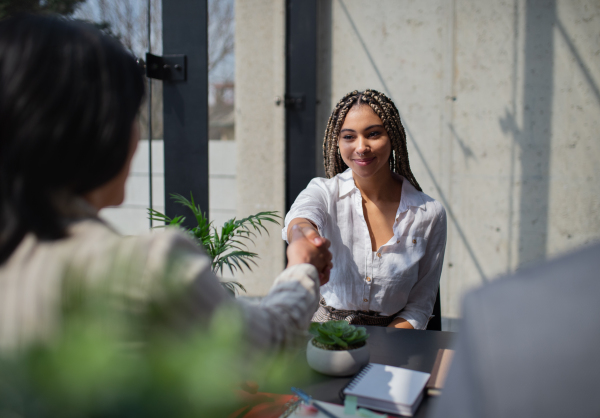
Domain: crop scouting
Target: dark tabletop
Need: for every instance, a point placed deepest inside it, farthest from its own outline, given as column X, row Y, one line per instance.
column 410, row 349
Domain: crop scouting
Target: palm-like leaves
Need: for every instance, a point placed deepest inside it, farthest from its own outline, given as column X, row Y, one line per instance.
column 227, row 248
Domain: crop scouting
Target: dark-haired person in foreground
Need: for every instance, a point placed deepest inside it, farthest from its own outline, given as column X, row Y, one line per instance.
column 69, row 98
column 529, row 344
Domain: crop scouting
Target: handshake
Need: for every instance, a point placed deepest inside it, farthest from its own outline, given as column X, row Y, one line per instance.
column 307, row 246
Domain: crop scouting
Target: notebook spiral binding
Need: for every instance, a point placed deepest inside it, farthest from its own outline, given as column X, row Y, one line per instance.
column 290, row 407
column 354, row 380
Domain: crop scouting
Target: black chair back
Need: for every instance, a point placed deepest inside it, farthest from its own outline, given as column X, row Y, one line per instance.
column 435, row 323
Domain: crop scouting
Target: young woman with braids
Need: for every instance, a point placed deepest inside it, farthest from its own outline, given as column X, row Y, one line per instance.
column 387, row 236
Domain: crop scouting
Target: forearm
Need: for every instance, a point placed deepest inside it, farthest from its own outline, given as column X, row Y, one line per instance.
column 400, row 323
column 303, row 223
column 284, row 315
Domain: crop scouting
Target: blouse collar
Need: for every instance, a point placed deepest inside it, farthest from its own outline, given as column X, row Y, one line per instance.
column 410, row 197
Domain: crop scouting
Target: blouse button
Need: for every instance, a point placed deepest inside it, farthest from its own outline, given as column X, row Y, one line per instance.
column 398, row 242
column 368, row 279
column 414, row 241
column 365, row 300
column 379, row 255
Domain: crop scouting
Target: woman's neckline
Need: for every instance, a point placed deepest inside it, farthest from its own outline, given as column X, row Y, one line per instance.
column 383, row 192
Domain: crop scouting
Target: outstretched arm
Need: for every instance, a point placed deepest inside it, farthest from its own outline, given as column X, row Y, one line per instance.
column 285, row 313
column 282, row 318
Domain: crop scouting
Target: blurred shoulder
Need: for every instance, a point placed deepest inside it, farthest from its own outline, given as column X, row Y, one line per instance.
column 567, row 281
column 167, row 252
column 168, row 239
column 170, row 247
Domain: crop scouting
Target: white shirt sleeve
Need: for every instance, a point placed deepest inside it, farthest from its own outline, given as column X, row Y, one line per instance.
column 422, row 296
column 310, row 204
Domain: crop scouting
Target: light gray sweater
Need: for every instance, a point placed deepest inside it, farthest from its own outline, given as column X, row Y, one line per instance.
column 144, row 268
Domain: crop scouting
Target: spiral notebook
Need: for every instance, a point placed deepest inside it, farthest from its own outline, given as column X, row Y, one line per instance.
column 388, row 388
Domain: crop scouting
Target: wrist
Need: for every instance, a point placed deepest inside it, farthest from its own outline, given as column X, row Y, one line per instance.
column 297, row 260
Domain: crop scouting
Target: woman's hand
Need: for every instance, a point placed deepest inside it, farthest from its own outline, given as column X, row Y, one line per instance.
column 400, row 323
column 313, row 250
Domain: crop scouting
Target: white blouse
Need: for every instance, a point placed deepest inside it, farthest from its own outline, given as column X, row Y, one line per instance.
column 403, row 276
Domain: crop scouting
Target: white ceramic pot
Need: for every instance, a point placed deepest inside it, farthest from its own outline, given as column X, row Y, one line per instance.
column 337, row 363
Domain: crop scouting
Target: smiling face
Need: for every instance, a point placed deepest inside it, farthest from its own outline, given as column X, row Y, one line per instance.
column 364, row 143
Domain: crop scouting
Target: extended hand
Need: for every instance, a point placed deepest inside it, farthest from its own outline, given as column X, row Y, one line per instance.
column 313, row 250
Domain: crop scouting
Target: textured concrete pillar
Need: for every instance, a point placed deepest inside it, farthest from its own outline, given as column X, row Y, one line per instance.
column 259, row 128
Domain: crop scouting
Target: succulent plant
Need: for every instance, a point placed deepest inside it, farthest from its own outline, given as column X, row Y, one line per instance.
column 338, row 335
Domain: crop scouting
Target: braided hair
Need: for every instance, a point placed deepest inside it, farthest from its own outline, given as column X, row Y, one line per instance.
column 388, row 113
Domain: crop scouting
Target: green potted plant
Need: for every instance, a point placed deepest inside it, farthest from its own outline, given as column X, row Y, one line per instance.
column 229, row 247
column 337, row 348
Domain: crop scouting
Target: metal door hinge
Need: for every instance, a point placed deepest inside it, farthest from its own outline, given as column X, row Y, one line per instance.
column 294, row 101
column 166, row 68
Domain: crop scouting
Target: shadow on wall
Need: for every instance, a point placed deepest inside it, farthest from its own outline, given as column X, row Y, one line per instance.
column 532, row 140
column 535, row 135
column 582, row 66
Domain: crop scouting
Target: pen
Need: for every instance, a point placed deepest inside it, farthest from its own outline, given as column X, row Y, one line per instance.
column 308, row 400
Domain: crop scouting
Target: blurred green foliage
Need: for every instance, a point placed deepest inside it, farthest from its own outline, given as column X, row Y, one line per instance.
column 107, row 362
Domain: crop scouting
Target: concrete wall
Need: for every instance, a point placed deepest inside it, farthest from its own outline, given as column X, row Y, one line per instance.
column 259, row 128
column 501, row 104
